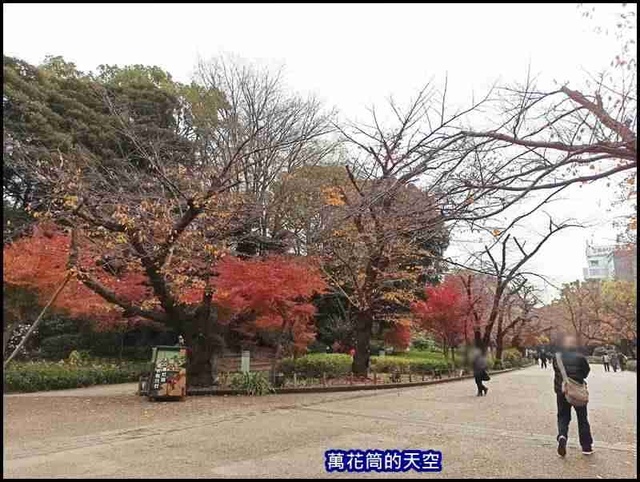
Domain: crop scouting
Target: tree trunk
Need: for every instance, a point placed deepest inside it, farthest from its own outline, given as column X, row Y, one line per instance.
column 203, row 344
column 499, row 345
column 121, row 346
column 364, row 323
column 477, row 338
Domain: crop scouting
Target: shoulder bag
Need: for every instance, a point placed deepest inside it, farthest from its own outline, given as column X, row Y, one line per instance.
column 576, row 393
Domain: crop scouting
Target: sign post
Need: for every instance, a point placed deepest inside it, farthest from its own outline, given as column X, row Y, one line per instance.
column 245, row 361
column 169, row 373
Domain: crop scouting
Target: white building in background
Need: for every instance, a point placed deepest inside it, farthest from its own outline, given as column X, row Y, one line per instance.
column 617, row 262
column 600, row 262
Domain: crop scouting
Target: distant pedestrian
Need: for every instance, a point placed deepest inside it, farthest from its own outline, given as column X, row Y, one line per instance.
column 576, row 368
column 480, row 373
column 614, row 361
column 623, row 361
column 605, row 362
column 535, row 358
column 543, row 360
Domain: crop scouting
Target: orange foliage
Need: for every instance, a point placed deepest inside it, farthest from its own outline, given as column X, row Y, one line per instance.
column 275, row 291
column 38, row 262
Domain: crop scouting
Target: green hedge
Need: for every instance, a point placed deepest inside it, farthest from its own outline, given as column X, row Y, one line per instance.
column 389, row 364
column 42, row 376
column 314, row 365
column 335, row 365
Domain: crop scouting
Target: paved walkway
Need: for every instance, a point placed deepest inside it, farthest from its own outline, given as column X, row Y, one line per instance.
column 510, row 433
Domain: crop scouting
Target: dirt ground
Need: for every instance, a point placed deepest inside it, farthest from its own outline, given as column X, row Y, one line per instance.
column 110, row 432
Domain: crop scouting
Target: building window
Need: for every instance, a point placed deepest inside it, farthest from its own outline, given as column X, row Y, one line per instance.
column 593, row 262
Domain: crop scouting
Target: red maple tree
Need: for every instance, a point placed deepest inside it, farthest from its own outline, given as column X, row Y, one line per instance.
column 272, row 294
column 443, row 312
column 399, row 335
column 39, row 262
column 269, row 294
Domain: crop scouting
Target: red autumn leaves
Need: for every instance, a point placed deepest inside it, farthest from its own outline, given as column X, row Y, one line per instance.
column 444, row 312
column 272, row 293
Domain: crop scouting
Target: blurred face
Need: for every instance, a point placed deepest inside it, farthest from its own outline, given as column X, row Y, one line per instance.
column 569, row 343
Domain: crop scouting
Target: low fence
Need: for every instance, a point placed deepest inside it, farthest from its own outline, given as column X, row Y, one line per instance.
column 352, row 384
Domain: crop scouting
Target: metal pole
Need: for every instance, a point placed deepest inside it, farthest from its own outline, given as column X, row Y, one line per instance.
column 38, row 319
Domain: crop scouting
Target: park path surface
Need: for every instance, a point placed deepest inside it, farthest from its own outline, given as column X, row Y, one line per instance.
column 110, row 432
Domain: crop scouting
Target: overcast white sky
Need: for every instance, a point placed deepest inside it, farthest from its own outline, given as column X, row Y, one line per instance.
column 351, row 56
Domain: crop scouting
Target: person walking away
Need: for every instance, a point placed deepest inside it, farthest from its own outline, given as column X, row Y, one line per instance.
column 605, row 362
column 480, row 372
column 577, row 368
column 623, row 361
column 614, row 361
column 543, row 360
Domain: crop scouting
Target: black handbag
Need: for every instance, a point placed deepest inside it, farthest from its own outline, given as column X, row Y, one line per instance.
column 485, row 376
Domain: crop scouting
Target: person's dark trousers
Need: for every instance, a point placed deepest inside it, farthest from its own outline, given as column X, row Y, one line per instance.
column 543, row 364
column 606, row 367
column 564, row 417
column 615, row 368
column 479, row 384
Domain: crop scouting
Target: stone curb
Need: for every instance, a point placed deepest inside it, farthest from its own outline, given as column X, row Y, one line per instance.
column 339, row 388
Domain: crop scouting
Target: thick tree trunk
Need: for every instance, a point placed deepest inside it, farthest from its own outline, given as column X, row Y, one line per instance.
column 203, row 343
column 199, row 368
column 364, row 323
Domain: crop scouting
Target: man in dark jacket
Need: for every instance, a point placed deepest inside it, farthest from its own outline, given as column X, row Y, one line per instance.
column 577, row 368
column 480, row 372
column 543, row 359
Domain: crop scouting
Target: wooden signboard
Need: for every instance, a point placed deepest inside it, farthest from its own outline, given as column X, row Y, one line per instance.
column 169, row 376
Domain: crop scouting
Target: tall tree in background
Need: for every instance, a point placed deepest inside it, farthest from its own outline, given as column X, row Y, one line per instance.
column 388, row 223
column 599, row 312
column 166, row 201
column 290, row 133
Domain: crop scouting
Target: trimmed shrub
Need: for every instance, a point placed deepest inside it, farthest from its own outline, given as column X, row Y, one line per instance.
column 423, row 344
column 42, row 376
column 314, row 365
column 390, row 364
column 511, row 355
column 632, row 365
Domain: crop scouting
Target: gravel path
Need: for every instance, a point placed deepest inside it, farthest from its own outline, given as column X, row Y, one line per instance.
column 110, row 432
